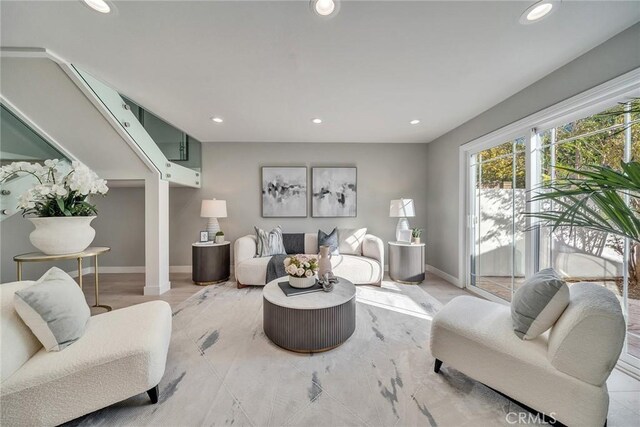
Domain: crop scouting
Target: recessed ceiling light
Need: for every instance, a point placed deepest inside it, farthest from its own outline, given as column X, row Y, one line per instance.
column 217, row 119
column 316, row 121
column 325, row 7
column 414, row 122
column 536, row 12
column 98, row 5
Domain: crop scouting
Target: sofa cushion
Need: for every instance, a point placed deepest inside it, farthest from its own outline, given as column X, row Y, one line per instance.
column 270, row 243
column 330, row 240
column 54, row 308
column 252, row 271
column 122, row 353
column 18, row 342
column 350, row 240
column 357, row 269
column 538, row 304
column 293, row 243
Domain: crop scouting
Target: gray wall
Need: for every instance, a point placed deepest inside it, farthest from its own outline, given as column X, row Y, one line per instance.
column 611, row 59
column 231, row 171
column 120, row 225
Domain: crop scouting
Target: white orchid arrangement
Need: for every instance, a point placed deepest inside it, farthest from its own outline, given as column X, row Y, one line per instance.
column 56, row 193
column 300, row 266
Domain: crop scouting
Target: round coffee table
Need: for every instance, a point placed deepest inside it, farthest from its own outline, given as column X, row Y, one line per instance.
column 309, row 323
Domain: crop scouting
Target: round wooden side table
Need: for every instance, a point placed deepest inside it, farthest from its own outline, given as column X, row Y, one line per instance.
column 211, row 262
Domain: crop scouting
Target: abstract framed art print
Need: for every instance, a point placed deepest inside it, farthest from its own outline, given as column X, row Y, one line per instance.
column 335, row 192
column 284, row 192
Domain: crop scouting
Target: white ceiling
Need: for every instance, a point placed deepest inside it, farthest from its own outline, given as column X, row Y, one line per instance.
column 268, row 67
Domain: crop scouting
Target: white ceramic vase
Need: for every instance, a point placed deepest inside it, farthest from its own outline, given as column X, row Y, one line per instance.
column 302, row 282
column 62, row 234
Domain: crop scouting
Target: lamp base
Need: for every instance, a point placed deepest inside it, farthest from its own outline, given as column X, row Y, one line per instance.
column 403, row 224
column 212, row 228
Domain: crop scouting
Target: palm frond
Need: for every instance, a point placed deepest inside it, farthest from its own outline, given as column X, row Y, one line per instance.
column 594, row 198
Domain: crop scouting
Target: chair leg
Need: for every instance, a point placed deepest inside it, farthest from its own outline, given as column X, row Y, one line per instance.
column 240, row 285
column 153, row 394
column 437, row 365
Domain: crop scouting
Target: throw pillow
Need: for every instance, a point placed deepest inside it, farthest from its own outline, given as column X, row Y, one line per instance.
column 350, row 240
column 538, row 304
column 270, row 243
column 54, row 308
column 330, row 240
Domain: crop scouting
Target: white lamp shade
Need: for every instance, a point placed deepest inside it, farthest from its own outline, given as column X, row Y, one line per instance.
column 402, row 208
column 213, row 209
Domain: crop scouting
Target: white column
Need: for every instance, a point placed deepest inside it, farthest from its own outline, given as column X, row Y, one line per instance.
column 156, row 235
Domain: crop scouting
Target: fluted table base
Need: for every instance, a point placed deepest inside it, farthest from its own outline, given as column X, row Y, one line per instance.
column 309, row 330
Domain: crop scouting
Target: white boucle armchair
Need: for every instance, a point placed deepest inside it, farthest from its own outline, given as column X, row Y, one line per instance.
column 561, row 373
column 364, row 268
column 122, row 353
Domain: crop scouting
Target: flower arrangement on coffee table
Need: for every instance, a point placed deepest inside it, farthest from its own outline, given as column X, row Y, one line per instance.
column 301, row 270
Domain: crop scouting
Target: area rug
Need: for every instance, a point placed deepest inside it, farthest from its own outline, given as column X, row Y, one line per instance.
column 223, row 370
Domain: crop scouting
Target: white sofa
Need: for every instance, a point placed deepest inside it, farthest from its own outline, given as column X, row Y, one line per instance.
column 122, row 353
column 562, row 373
column 365, row 268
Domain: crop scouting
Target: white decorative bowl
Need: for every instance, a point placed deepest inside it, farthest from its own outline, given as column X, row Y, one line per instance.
column 302, row 282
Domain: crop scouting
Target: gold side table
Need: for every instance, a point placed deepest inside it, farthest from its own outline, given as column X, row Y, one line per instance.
column 89, row 252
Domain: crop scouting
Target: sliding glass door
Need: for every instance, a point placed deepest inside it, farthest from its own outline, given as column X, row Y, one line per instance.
column 584, row 255
column 498, row 200
column 504, row 246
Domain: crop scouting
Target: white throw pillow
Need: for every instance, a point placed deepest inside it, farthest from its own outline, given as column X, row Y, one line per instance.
column 54, row 308
column 350, row 240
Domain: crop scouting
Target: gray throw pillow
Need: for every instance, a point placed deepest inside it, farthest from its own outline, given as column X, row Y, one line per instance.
column 330, row 240
column 270, row 243
column 538, row 304
column 54, row 308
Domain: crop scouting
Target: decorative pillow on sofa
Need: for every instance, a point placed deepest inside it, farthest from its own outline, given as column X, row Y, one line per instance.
column 350, row 240
column 270, row 243
column 54, row 308
column 330, row 240
column 538, row 304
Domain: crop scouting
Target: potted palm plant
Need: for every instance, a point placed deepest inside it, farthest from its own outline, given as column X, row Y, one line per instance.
column 598, row 198
column 58, row 204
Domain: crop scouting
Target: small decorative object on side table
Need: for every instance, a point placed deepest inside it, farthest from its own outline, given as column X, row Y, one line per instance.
column 211, row 262
column 407, row 262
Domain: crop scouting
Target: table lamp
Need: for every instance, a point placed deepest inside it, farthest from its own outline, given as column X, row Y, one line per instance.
column 401, row 209
column 213, row 209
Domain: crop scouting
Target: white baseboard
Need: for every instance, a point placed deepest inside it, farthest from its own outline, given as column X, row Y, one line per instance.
column 86, row 270
column 180, row 269
column 132, row 269
column 125, row 269
column 446, row 276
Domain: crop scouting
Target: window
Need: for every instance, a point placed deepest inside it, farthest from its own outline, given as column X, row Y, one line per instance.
column 505, row 168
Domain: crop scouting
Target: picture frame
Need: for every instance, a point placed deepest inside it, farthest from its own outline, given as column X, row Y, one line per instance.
column 284, row 191
column 405, row 236
column 204, row 236
column 334, row 192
